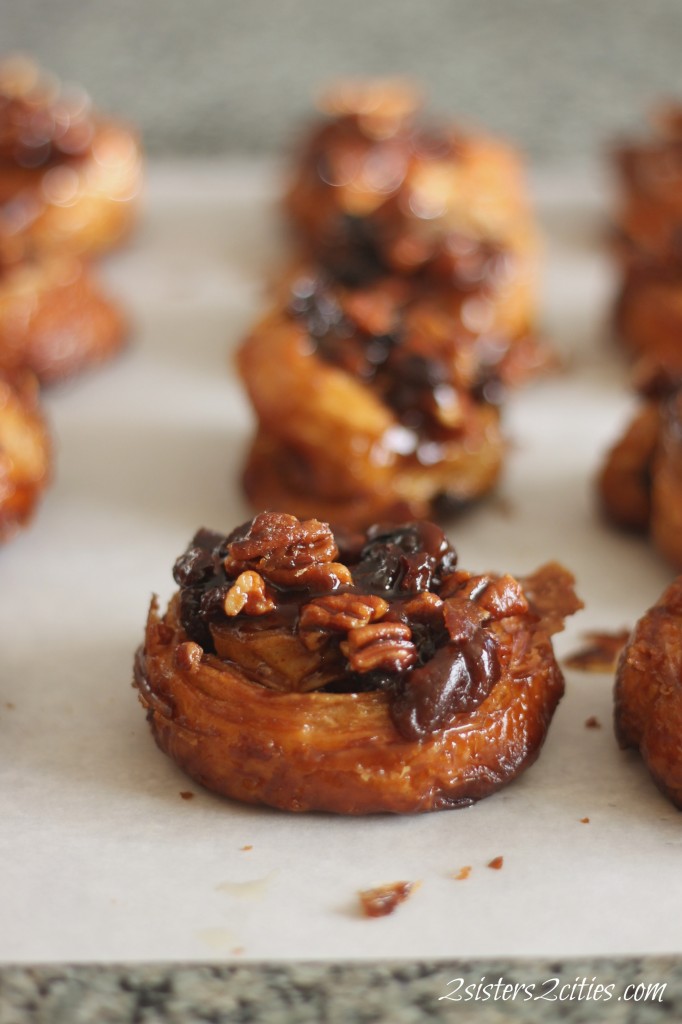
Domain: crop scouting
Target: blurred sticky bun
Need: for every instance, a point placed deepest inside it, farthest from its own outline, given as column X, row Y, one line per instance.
column 55, row 320
column 376, row 191
column 68, row 177
column 372, row 404
column 648, row 239
column 353, row 674
column 640, row 485
column 648, row 692
column 648, row 218
column 25, row 451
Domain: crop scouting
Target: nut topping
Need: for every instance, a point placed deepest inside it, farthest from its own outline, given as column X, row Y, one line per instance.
column 278, row 541
column 249, row 594
column 338, row 613
column 381, row 645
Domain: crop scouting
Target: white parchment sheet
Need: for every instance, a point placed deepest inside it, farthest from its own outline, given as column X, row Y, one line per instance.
column 101, row 858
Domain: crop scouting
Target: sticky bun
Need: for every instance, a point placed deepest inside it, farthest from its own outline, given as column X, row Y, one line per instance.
column 353, row 674
column 648, row 234
column 649, row 179
column 68, row 177
column 25, row 452
column 370, row 405
column 54, row 318
column 375, row 191
column 640, row 485
column 648, row 692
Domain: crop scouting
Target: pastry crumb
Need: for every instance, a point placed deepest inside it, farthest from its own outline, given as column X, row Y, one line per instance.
column 584, row 821
column 496, row 863
column 247, row 847
column 187, row 794
column 592, row 722
column 600, row 653
column 384, row 899
column 463, row 873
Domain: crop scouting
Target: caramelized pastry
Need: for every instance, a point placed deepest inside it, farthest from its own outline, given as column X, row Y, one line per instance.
column 375, row 192
column 641, row 483
column 648, row 714
column 54, row 319
column 68, row 177
column 350, row 674
column 24, row 451
column 370, row 406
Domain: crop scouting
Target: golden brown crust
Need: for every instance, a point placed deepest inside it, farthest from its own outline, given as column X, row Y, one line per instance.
column 55, row 320
column 24, row 451
column 342, row 752
column 648, row 692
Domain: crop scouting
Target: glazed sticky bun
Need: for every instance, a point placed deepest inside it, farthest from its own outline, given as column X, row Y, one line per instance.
column 371, row 404
column 25, row 451
column 350, row 673
column 68, row 177
column 648, row 236
column 640, row 485
column 377, row 191
column 648, row 693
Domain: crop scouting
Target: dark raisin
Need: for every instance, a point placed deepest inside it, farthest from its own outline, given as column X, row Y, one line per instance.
column 456, row 680
column 195, row 566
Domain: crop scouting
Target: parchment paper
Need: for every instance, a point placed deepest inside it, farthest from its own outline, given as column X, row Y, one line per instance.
column 102, row 859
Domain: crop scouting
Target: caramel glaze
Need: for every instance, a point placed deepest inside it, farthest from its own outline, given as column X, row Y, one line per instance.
column 445, row 694
column 648, row 692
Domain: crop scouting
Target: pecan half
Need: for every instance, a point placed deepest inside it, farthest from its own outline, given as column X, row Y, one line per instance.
column 380, row 645
column 337, row 613
column 249, row 594
column 279, row 541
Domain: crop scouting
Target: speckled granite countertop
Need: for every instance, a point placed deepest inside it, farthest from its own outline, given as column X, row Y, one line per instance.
column 399, row 993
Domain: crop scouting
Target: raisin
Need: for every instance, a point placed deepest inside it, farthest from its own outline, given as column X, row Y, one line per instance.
column 456, row 680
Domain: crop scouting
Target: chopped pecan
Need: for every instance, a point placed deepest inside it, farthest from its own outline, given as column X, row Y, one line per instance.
column 188, row 656
column 504, row 596
column 337, row 613
column 279, row 541
column 249, row 594
column 322, row 576
column 425, row 607
column 462, row 619
column 380, row 645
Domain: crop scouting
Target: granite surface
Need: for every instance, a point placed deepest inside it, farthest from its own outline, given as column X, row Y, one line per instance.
column 217, row 76
column 347, row 993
